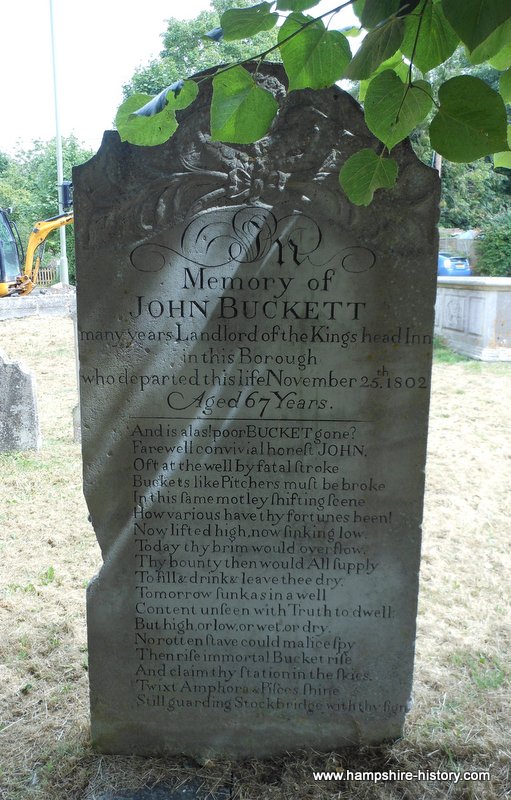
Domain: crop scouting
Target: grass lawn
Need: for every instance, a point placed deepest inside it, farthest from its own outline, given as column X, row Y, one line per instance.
column 461, row 718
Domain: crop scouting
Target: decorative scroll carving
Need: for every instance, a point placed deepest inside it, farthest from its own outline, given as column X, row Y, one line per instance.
column 222, row 237
column 299, row 160
column 191, row 172
column 245, row 235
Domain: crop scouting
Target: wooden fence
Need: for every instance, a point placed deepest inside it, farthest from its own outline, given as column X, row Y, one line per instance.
column 47, row 276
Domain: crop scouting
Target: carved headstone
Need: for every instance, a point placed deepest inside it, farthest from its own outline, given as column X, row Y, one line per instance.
column 255, row 368
column 19, row 419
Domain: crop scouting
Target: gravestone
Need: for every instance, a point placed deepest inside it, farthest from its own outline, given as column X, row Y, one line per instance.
column 19, row 419
column 255, row 370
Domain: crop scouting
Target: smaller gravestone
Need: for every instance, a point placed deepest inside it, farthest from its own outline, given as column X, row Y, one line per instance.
column 19, row 420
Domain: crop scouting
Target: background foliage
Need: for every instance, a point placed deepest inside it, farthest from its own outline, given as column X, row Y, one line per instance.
column 404, row 68
column 474, row 195
column 473, row 192
column 494, row 246
column 185, row 51
column 28, row 184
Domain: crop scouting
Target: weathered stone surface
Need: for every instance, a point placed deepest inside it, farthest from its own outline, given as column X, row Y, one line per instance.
column 255, row 386
column 19, row 420
column 191, row 790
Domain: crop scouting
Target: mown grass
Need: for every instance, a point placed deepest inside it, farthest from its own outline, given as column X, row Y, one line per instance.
column 443, row 354
column 461, row 715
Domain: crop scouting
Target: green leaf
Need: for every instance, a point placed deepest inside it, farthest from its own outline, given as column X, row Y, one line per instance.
column 314, row 58
column 358, row 8
column 393, row 109
column 436, row 42
column 352, row 31
column 375, row 11
column 493, row 45
column 296, row 5
column 185, row 96
column 242, row 23
column 148, row 121
column 505, row 86
column 141, row 130
column 369, row 10
column 365, row 172
column 407, row 7
column 503, row 58
column 378, row 46
column 471, row 121
column 396, row 64
column 158, row 103
column 241, row 111
column 502, row 161
column 475, row 20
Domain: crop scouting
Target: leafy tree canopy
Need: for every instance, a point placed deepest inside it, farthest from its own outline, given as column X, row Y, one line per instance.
column 494, row 246
column 186, row 50
column 471, row 193
column 403, row 42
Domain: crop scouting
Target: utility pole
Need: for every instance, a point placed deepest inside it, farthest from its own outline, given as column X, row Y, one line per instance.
column 64, row 269
column 436, row 162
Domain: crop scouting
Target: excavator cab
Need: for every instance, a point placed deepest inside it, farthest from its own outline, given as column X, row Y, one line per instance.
column 11, row 253
column 19, row 271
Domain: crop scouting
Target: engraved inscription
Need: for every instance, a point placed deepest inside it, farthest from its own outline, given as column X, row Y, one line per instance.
column 254, row 372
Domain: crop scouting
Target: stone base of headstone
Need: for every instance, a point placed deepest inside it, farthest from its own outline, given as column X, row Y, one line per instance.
column 19, row 420
column 192, row 790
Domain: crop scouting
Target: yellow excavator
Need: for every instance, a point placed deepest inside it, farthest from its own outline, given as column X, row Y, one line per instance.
column 18, row 270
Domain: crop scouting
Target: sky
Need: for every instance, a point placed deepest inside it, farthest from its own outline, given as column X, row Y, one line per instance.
column 98, row 46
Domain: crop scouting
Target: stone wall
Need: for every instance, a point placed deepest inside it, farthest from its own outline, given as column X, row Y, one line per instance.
column 473, row 315
column 52, row 303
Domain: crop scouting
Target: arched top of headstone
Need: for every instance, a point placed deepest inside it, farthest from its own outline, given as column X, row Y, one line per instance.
column 296, row 163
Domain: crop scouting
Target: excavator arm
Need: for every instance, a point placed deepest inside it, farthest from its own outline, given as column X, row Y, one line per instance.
column 13, row 279
column 35, row 249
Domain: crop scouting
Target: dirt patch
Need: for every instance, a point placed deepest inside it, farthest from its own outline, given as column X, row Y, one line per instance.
column 461, row 716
